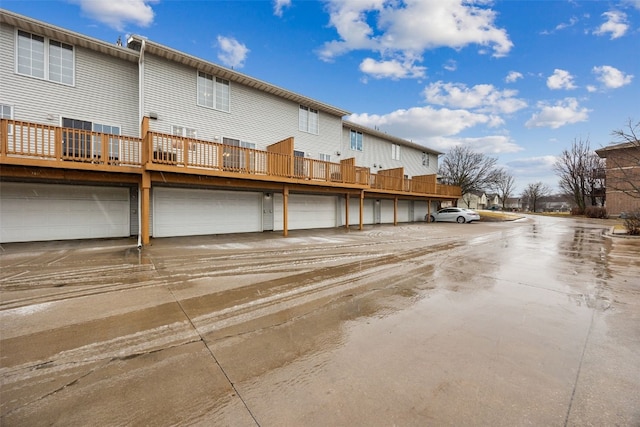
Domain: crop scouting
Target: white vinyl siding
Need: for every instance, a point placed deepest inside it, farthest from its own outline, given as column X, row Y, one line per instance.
column 378, row 149
column 213, row 92
column 256, row 116
column 44, row 58
column 101, row 82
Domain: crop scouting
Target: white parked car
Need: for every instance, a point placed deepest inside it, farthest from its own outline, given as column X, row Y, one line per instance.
column 459, row 215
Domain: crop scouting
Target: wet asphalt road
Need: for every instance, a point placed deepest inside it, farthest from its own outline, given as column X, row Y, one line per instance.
column 532, row 322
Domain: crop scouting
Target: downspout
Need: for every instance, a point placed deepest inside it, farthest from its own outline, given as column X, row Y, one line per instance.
column 140, row 116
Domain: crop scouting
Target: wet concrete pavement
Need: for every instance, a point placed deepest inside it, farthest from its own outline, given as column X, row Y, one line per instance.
column 531, row 322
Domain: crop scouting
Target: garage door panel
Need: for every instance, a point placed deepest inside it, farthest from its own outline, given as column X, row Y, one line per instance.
column 39, row 212
column 354, row 211
column 306, row 211
column 192, row 212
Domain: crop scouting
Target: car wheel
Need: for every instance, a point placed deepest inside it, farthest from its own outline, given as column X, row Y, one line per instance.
column 432, row 219
column 460, row 220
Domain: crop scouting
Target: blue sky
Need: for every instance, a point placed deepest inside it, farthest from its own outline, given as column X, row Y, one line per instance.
column 517, row 80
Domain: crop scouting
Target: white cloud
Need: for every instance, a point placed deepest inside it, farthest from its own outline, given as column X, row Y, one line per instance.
column 616, row 24
column 560, row 79
column 437, row 128
column 528, row 170
column 634, row 3
column 404, row 30
column 564, row 112
column 232, row 52
column 484, row 97
column 611, row 77
column 513, row 76
column 418, row 123
column 116, row 13
column 391, row 69
column 279, row 6
column 573, row 21
column 450, row 65
column 492, row 144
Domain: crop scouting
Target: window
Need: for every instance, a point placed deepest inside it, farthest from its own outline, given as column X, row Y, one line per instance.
column 235, row 158
column 425, row 159
column 6, row 112
column 325, row 157
column 213, row 92
column 79, row 142
column 44, row 58
column 308, row 120
column 395, row 151
column 184, row 131
column 356, row 140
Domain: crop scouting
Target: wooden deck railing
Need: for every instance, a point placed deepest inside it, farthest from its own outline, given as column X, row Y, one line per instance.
column 38, row 141
column 19, row 139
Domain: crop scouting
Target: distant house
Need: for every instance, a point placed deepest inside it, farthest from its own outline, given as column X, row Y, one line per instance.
column 493, row 201
column 622, row 177
column 473, row 200
column 513, row 204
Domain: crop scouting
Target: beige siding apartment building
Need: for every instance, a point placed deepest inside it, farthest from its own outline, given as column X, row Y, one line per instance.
column 99, row 140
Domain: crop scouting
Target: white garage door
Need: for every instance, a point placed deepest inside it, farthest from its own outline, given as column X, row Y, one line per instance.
column 386, row 211
column 192, row 212
column 36, row 212
column 354, row 211
column 404, row 208
column 306, row 211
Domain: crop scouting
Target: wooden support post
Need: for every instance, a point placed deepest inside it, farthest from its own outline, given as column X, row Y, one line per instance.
column 428, row 210
column 361, row 210
column 285, row 211
column 395, row 210
column 346, row 210
column 145, row 203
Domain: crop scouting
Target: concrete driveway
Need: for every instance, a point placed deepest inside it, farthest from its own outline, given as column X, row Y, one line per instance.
column 532, row 322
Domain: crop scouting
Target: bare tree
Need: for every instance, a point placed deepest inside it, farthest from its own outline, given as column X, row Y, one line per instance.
column 534, row 192
column 469, row 170
column 504, row 186
column 578, row 169
column 626, row 174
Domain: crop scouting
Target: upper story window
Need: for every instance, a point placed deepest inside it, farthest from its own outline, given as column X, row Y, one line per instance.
column 184, row 131
column 213, row 92
column 395, row 151
column 44, row 58
column 325, row 157
column 308, row 120
column 425, row 159
column 356, row 140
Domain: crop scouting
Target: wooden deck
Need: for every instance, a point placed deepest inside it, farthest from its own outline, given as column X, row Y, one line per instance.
column 36, row 145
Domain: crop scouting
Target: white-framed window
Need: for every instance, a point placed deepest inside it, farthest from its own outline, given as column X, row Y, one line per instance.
column 425, row 159
column 6, row 112
column 395, row 151
column 184, row 131
column 356, row 140
column 308, row 120
column 213, row 92
column 80, row 143
column 325, row 157
column 44, row 58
